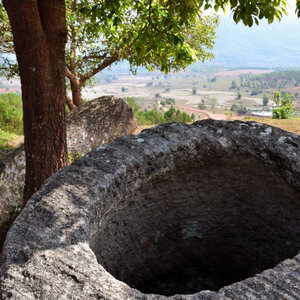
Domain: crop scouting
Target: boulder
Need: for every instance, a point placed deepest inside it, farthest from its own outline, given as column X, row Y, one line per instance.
column 98, row 122
column 95, row 123
column 203, row 211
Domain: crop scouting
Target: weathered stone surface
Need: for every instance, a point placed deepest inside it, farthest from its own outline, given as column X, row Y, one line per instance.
column 195, row 210
column 98, row 122
column 12, row 169
column 95, row 123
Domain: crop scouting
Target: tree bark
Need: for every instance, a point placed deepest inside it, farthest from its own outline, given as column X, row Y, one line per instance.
column 39, row 32
column 76, row 92
column 70, row 103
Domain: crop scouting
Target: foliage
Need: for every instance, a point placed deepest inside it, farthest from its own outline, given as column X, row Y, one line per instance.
column 273, row 80
column 156, row 25
column 163, row 34
column 11, row 118
column 249, row 12
column 265, row 100
column 8, row 67
column 233, row 85
column 173, row 115
column 256, row 90
column 151, row 117
column 201, row 106
column 239, row 109
column 238, row 95
column 283, row 106
column 228, row 114
column 5, row 138
column 11, row 115
column 170, row 101
column 152, row 34
column 283, row 93
column 213, row 102
column 149, row 84
column 146, row 33
column 72, row 158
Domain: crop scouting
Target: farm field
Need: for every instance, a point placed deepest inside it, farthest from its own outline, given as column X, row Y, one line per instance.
column 201, row 95
column 216, row 92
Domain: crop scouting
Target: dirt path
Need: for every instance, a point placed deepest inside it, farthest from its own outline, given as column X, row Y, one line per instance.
column 206, row 113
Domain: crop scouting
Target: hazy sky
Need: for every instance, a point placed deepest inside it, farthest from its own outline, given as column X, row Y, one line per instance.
column 291, row 6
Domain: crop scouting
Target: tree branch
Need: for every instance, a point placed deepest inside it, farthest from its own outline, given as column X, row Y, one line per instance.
column 91, row 56
column 70, row 103
column 73, row 49
column 107, row 62
column 69, row 74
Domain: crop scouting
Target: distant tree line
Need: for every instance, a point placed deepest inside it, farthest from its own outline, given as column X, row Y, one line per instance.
column 170, row 101
column 153, row 116
column 274, row 80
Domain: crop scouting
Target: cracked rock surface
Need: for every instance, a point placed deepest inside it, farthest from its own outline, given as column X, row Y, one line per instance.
column 203, row 211
column 92, row 124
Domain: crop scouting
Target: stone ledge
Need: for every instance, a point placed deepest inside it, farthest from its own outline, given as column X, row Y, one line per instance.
column 217, row 196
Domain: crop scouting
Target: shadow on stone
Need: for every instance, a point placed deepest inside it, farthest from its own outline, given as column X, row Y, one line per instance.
column 177, row 209
column 202, row 224
column 95, row 123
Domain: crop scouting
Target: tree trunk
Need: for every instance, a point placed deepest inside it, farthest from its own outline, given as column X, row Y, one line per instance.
column 39, row 31
column 70, row 103
column 76, row 92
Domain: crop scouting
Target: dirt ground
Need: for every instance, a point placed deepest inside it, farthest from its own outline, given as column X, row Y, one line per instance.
column 233, row 73
column 150, row 88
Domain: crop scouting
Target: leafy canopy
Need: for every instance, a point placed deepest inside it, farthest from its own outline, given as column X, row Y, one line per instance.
column 8, row 67
column 166, row 34
column 143, row 32
column 283, row 106
column 248, row 11
column 153, row 116
column 157, row 34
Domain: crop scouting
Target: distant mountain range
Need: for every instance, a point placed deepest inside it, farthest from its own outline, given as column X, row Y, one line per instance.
column 275, row 45
column 266, row 45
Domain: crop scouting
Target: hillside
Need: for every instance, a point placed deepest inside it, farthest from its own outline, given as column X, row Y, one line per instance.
column 275, row 45
column 266, row 45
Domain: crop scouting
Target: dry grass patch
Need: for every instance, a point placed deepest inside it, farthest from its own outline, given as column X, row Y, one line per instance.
column 292, row 125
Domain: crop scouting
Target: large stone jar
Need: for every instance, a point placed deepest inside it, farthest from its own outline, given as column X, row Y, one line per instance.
column 203, row 211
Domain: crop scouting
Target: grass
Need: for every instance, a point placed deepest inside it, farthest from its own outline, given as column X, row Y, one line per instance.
column 6, row 139
column 11, row 123
column 292, row 125
column 11, row 113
